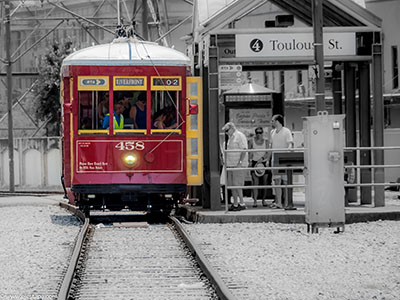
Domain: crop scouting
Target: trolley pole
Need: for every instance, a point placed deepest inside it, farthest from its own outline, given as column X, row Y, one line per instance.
column 318, row 54
column 9, row 94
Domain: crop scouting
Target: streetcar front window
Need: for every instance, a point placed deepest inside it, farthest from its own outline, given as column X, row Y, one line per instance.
column 93, row 107
column 133, row 106
column 165, row 110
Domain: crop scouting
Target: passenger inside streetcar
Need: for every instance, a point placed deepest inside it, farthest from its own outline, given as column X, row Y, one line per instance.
column 118, row 117
column 138, row 111
column 165, row 110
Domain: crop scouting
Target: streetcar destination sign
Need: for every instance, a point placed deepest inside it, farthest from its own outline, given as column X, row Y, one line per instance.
column 293, row 44
column 130, row 83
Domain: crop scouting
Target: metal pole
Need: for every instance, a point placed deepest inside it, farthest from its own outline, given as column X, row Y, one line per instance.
column 365, row 129
column 9, row 94
column 215, row 186
column 118, row 13
column 83, row 18
column 379, row 173
column 318, row 54
column 145, row 31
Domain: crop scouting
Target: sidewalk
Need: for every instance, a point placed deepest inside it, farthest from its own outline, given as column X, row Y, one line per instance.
column 354, row 213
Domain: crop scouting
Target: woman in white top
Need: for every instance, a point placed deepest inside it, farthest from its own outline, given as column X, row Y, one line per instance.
column 258, row 159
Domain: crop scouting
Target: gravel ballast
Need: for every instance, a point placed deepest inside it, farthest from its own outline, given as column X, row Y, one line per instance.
column 36, row 243
column 280, row 261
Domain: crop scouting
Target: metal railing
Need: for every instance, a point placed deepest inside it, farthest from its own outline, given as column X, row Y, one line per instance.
column 358, row 150
column 275, row 150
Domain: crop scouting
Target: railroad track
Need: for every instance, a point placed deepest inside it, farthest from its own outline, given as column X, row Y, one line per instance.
column 140, row 261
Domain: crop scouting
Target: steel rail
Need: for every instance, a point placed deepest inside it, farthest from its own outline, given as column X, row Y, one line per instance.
column 69, row 275
column 222, row 290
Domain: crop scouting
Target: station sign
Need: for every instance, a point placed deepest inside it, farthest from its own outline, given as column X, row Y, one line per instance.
column 130, row 83
column 294, row 44
column 230, row 76
column 93, row 83
column 168, row 83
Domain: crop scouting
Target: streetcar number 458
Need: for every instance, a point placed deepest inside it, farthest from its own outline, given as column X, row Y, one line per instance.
column 130, row 145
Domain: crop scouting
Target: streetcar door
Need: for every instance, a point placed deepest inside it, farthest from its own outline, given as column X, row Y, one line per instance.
column 194, row 130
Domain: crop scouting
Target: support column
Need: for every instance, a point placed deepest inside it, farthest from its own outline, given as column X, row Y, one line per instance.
column 365, row 130
column 351, row 117
column 379, row 173
column 317, row 14
column 9, row 94
column 337, row 88
column 206, row 141
column 213, row 127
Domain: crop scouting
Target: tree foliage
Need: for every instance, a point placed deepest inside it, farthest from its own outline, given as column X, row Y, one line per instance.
column 48, row 88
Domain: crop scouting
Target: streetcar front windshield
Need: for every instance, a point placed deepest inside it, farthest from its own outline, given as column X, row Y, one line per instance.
column 93, row 107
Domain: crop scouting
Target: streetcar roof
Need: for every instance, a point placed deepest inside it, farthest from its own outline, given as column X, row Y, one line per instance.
column 124, row 51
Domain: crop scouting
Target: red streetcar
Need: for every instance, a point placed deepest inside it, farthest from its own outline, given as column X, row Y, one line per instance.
column 132, row 126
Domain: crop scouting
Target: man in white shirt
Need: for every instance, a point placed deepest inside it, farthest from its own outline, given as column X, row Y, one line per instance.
column 281, row 138
column 237, row 141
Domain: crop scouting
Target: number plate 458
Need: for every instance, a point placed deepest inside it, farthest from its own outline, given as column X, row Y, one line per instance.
column 130, row 145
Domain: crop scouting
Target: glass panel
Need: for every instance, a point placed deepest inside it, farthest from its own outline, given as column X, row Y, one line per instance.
column 93, row 106
column 193, row 89
column 194, row 122
column 133, row 106
column 194, row 146
column 165, row 110
column 194, row 171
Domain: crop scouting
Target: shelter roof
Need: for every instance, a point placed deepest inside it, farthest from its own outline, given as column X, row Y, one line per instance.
column 337, row 13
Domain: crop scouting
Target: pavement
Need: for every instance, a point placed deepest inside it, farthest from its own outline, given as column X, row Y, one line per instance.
column 353, row 213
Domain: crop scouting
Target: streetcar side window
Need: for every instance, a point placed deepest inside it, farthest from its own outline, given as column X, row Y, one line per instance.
column 165, row 110
column 93, row 106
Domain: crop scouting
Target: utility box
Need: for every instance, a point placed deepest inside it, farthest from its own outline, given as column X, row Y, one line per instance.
column 324, row 171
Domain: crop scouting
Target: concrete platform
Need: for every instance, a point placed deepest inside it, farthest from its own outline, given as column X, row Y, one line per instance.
column 354, row 213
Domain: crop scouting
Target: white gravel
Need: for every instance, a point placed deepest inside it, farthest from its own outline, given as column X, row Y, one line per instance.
column 35, row 244
column 259, row 260
column 280, row 261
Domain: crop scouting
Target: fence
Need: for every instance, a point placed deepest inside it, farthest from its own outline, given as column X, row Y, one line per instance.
column 37, row 164
column 376, row 181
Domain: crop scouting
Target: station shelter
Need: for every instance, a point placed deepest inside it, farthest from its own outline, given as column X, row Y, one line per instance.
column 247, row 36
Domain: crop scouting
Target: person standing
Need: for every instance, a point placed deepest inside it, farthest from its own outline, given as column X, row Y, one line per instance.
column 237, row 141
column 281, row 138
column 259, row 177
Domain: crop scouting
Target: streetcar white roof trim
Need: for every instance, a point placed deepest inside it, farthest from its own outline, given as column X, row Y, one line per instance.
column 124, row 51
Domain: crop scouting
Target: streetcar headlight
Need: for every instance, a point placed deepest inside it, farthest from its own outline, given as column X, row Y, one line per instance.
column 130, row 159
